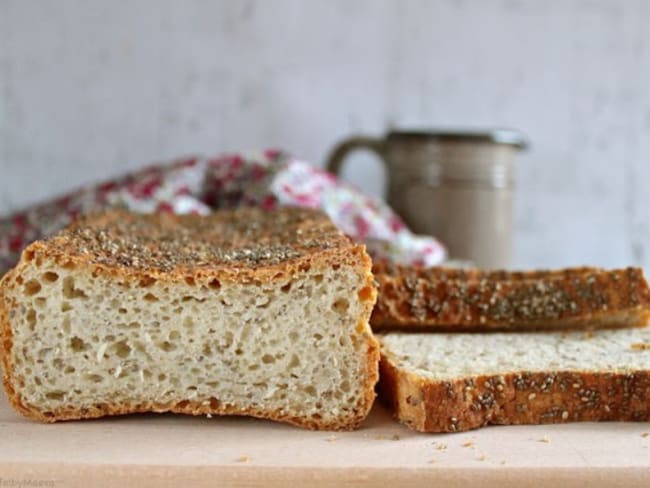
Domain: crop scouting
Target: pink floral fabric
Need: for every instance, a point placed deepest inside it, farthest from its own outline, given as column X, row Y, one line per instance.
column 201, row 185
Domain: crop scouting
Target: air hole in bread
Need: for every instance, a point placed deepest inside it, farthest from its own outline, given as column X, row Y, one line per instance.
column 69, row 290
column 150, row 297
column 78, row 345
column 295, row 362
column 166, row 346
column 215, row 284
column 268, row 359
column 50, row 277
column 32, row 287
column 55, row 395
column 341, row 306
column 146, row 281
column 365, row 293
column 286, row 288
column 31, row 318
column 122, row 349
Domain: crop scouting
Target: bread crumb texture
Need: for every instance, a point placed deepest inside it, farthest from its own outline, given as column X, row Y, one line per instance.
column 450, row 356
column 243, row 312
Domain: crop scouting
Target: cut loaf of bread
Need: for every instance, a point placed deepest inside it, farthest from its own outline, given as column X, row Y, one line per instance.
column 243, row 312
column 472, row 299
column 460, row 381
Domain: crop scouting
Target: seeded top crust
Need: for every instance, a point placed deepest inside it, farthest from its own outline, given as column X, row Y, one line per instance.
column 244, row 239
column 439, row 296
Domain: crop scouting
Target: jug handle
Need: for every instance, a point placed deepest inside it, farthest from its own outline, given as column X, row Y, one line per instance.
column 340, row 152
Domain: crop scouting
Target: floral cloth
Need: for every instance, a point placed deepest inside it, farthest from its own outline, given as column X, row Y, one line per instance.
column 200, row 185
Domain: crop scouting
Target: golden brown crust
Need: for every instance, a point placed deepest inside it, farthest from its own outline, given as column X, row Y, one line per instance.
column 236, row 242
column 452, row 299
column 316, row 244
column 516, row 398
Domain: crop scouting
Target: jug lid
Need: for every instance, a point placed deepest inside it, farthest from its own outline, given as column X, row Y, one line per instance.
column 509, row 137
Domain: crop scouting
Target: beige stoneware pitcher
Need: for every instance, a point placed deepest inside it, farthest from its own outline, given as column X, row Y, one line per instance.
column 456, row 186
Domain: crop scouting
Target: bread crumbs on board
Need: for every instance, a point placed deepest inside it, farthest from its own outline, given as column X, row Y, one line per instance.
column 331, row 438
column 545, row 440
column 441, row 446
column 645, row 434
column 243, row 459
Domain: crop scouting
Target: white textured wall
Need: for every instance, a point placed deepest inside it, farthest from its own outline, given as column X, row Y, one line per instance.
column 89, row 89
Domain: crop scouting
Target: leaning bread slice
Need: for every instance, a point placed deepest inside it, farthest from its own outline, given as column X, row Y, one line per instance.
column 243, row 312
column 458, row 299
column 456, row 382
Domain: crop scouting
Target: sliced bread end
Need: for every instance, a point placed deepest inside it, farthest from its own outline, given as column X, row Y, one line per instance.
column 614, row 383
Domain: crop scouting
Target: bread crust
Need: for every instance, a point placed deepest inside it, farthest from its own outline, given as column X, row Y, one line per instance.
column 451, row 299
column 332, row 250
column 513, row 398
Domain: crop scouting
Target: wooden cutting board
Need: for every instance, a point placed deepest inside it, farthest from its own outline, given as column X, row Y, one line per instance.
column 172, row 450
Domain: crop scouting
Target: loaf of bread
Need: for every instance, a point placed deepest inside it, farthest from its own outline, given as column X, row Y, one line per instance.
column 458, row 299
column 455, row 382
column 243, row 312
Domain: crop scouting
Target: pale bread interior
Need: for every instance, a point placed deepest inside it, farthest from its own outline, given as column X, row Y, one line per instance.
column 297, row 346
column 460, row 355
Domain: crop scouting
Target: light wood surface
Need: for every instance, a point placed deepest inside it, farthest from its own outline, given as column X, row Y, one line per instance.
column 168, row 450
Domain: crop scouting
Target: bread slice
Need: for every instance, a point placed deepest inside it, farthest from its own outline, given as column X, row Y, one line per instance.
column 461, row 381
column 244, row 312
column 454, row 299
